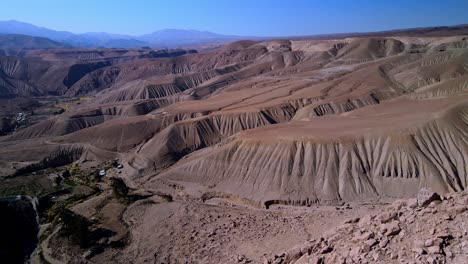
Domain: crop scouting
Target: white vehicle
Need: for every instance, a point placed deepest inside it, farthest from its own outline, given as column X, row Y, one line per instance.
column 102, row 173
column 120, row 166
column 20, row 117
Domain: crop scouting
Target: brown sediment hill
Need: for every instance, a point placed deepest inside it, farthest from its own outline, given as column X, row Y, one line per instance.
column 279, row 121
column 54, row 72
column 371, row 48
column 391, row 149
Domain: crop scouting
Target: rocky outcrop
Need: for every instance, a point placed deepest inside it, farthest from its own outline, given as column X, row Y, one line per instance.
column 423, row 230
column 19, row 226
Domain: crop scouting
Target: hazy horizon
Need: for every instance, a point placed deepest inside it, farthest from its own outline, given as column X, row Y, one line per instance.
column 242, row 18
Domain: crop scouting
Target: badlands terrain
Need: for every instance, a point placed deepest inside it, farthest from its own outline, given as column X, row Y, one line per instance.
column 336, row 150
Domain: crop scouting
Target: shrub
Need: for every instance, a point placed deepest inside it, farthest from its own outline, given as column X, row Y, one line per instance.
column 75, row 227
column 66, row 174
column 73, row 168
column 119, row 187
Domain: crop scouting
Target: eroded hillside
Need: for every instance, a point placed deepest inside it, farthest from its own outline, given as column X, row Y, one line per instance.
column 253, row 125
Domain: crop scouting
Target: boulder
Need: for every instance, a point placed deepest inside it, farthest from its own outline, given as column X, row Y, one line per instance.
column 419, row 251
column 383, row 243
column 434, row 250
column 426, row 196
column 365, row 221
column 390, row 229
column 458, row 209
column 326, row 249
column 386, row 217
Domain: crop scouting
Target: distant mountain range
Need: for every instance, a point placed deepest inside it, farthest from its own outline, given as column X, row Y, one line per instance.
column 163, row 38
column 15, row 41
column 11, row 31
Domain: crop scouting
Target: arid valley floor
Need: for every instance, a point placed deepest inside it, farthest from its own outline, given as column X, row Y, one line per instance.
column 339, row 150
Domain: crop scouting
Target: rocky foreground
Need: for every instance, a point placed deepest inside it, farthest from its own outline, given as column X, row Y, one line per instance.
column 428, row 229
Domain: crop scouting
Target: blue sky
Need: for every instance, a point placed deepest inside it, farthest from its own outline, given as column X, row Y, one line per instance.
column 235, row 17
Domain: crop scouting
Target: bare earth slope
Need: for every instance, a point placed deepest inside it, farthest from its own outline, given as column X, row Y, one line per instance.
column 239, row 135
